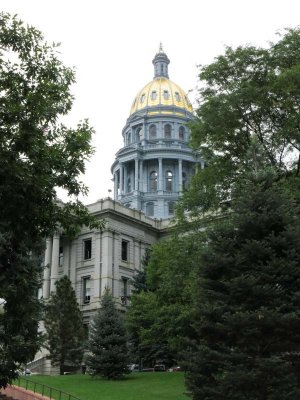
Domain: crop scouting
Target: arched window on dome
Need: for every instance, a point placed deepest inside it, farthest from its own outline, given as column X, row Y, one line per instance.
column 166, row 95
column 169, row 181
column 143, row 98
column 167, row 130
column 153, row 181
column 184, row 181
column 153, row 95
column 181, row 133
column 150, row 209
column 152, row 131
column 177, row 96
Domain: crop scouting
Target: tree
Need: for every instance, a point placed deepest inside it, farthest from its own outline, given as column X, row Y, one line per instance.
column 161, row 312
column 66, row 336
column 108, row 342
column 246, row 332
column 38, row 155
column 248, row 96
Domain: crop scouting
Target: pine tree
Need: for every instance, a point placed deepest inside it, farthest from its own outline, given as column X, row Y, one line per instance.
column 66, row 336
column 108, row 342
column 248, row 316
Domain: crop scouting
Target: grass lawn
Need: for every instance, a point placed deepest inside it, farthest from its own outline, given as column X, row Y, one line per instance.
column 137, row 386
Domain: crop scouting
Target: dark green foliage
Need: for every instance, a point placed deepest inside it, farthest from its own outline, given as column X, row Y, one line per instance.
column 37, row 156
column 247, row 323
column 160, row 318
column 248, row 95
column 66, row 336
column 108, row 354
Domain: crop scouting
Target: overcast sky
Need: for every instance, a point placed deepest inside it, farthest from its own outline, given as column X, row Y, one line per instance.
column 112, row 43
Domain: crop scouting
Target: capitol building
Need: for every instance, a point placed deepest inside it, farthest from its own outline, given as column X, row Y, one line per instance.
column 150, row 172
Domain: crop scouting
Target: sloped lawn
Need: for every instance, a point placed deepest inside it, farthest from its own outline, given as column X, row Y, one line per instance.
column 137, row 386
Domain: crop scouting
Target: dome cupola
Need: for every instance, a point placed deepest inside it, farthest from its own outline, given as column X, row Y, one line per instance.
column 161, row 63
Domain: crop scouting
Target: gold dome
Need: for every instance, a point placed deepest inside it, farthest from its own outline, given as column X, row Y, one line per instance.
column 161, row 92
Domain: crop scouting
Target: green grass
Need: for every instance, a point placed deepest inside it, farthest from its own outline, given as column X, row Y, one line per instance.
column 137, row 386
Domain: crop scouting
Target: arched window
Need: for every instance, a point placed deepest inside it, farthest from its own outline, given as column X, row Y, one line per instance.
column 171, row 207
column 143, row 98
column 128, row 185
column 150, row 209
column 152, row 131
column 138, row 134
column 181, row 132
column 184, row 181
column 169, row 181
column 153, row 181
column 166, row 95
column 167, row 130
column 153, row 95
column 128, row 138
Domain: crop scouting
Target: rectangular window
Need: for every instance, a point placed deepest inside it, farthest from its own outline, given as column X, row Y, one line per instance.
column 86, row 289
column 124, row 250
column 61, row 256
column 87, row 249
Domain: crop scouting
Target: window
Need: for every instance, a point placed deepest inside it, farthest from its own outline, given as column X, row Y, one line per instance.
column 87, row 249
column 171, row 207
column 167, row 130
column 153, row 95
column 184, row 181
column 138, row 134
column 153, row 181
column 166, row 95
column 143, row 98
column 124, row 250
column 124, row 291
column 150, row 209
column 152, row 131
column 181, row 132
column 86, row 289
column 61, row 256
column 128, row 185
column 169, row 181
column 177, row 96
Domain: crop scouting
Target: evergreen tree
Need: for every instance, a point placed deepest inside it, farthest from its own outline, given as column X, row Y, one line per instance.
column 66, row 336
column 247, row 331
column 108, row 342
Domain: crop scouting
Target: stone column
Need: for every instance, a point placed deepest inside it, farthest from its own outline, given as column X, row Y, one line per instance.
column 121, row 179
column 55, row 262
column 180, row 175
column 160, row 174
column 107, row 258
column 47, row 266
column 125, row 179
column 116, row 186
column 136, row 174
column 141, row 186
column 97, row 270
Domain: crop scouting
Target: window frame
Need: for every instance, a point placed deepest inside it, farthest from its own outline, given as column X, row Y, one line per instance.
column 125, row 250
column 86, row 299
column 87, row 253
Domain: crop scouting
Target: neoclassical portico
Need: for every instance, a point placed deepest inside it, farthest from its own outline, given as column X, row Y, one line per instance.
column 156, row 164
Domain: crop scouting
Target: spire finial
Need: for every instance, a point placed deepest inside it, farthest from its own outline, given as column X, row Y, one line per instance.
column 161, row 50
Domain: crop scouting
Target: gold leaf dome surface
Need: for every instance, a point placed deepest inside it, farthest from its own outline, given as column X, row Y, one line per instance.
column 161, row 91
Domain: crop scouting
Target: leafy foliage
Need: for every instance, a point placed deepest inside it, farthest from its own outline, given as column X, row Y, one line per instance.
column 65, row 336
column 37, row 156
column 160, row 318
column 246, row 331
column 108, row 342
column 249, row 97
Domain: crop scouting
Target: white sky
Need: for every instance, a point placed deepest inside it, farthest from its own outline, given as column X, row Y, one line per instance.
column 112, row 43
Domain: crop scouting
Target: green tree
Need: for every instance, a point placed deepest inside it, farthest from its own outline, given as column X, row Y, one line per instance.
column 248, row 96
column 108, row 342
column 159, row 317
column 247, row 327
column 66, row 336
column 37, row 156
